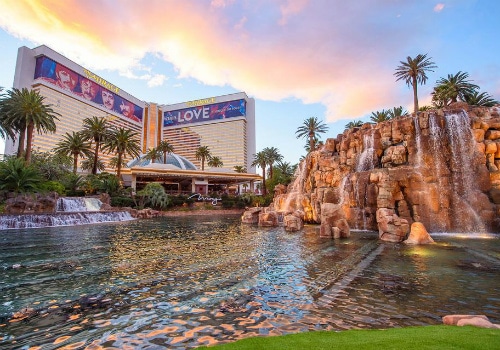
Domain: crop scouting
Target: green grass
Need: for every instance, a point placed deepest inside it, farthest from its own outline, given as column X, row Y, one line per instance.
column 421, row 338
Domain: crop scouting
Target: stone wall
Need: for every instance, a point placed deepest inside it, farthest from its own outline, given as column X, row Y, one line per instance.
column 440, row 168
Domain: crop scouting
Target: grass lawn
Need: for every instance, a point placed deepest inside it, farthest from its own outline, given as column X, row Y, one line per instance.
column 427, row 337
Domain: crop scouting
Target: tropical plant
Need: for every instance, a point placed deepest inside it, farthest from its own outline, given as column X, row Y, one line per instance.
column 75, row 145
column 88, row 164
column 18, row 176
column 202, row 153
column 26, row 111
column 453, row 88
column 353, row 124
column 397, row 112
column 425, row 108
column 260, row 160
column 164, row 147
column 380, row 116
column 480, row 99
column 413, row 72
column 153, row 194
column 272, row 156
column 72, row 182
column 286, row 168
column 108, row 183
column 215, row 162
column 240, row 169
column 123, row 142
column 311, row 128
column 153, row 154
column 51, row 166
column 96, row 130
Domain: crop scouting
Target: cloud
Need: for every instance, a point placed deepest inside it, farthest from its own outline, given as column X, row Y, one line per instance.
column 439, row 7
column 337, row 53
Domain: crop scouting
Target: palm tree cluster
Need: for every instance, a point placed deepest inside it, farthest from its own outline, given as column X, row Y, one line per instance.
column 458, row 87
column 267, row 157
column 203, row 153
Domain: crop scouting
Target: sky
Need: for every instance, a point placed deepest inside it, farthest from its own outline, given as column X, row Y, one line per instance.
column 330, row 59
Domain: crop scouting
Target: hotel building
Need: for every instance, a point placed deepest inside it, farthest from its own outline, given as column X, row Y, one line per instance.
column 226, row 124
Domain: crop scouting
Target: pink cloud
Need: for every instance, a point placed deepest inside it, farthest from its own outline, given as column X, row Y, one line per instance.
column 439, row 7
column 338, row 53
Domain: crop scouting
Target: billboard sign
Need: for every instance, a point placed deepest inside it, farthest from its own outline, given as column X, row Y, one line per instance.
column 88, row 86
column 199, row 114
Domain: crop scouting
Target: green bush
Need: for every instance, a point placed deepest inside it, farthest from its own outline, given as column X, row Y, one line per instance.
column 53, row 186
column 122, row 202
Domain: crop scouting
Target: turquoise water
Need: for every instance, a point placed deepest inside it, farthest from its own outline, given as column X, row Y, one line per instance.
column 184, row 282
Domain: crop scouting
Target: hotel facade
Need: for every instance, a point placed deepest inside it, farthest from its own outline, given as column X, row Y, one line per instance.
column 226, row 124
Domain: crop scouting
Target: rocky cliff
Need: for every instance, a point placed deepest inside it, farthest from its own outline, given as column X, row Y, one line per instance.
column 440, row 168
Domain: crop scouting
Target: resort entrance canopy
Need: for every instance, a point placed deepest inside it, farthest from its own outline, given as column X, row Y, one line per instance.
column 186, row 181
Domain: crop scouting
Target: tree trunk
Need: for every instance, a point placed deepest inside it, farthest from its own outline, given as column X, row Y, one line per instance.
column 264, row 190
column 415, row 97
column 29, row 142
column 75, row 162
column 96, row 156
column 20, row 147
column 119, row 167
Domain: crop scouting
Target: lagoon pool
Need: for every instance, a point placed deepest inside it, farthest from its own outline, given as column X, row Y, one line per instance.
column 179, row 283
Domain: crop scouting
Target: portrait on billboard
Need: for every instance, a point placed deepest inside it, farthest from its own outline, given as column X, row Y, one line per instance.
column 204, row 113
column 55, row 73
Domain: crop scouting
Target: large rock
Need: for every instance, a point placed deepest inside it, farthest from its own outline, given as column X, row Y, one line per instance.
column 418, row 235
column 268, row 219
column 391, row 227
column 293, row 223
column 251, row 215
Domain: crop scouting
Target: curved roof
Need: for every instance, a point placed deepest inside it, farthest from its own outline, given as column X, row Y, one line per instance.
column 174, row 161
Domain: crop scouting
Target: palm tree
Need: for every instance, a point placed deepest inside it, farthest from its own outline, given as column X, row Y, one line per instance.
column 125, row 143
column 380, row 116
column 353, row 124
column 25, row 110
column 153, row 154
column 397, row 112
column 310, row 129
column 73, row 144
column 273, row 155
column 480, row 99
column 165, row 148
column 286, row 168
column 260, row 159
column 18, row 176
column 240, row 169
column 97, row 130
column 215, row 162
column 88, row 164
column 413, row 72
column 202, row 153
column 454, row 87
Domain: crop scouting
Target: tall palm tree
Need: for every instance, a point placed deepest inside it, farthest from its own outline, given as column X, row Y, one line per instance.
column 273, row 155
column 380, row 116
column 97, row 130
column 480, row 99
column 25, row 111
column 310, row 129
column 260, row 160
column 153, row 154
column 165, row 148
column 215, row 162
column 413, row 72
column 454, row 87
column 286, row 168
column 202, row 153
column 239, row 169
column 74, row 144
column 123, row 142
column 397, row 112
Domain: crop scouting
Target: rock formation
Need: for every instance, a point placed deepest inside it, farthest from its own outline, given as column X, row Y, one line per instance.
column 440, row 168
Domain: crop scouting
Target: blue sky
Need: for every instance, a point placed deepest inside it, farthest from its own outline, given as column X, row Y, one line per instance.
column 329, row 59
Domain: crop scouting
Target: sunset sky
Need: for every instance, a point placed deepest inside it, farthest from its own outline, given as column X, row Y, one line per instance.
column 330, row 59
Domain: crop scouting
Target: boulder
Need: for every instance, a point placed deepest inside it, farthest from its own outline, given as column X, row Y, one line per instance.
column 251, row 215
column 418, row 235
column 390, row 226
column 293, row 223
column 269, row 219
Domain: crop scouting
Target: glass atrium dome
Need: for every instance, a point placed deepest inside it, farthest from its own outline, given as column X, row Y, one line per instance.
column 174, row 161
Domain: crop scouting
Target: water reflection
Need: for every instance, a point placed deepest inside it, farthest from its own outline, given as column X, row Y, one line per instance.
column 184, row 282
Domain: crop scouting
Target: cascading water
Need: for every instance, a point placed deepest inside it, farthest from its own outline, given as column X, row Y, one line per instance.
column 292, row 201
column 462, row 165
column 70, row 212
column 365, row 160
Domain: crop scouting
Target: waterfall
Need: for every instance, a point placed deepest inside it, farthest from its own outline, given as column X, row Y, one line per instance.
column 78, row 204
column 295, row 191
column 61, row 219
column 365, row 160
